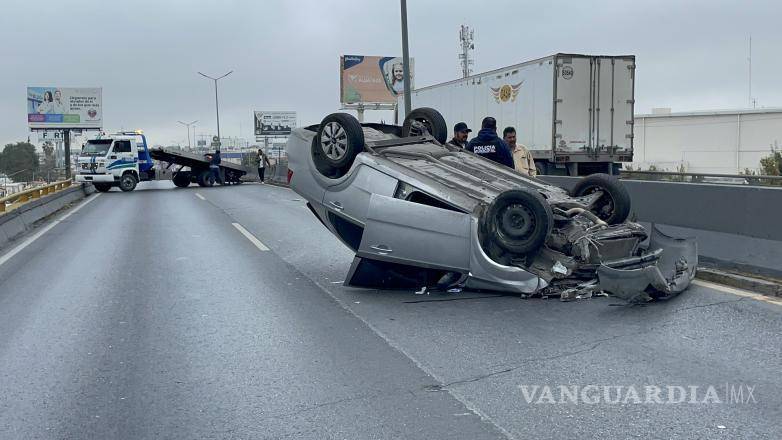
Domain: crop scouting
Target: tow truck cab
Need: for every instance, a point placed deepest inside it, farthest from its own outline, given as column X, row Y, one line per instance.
column 121, row 159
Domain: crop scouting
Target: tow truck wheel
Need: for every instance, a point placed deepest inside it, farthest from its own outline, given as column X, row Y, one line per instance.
column 614, row 206
column 205, row 178
column 102, row 187
column 518, row 221
column 182, row 179
column 339, row 140
column 127, row 182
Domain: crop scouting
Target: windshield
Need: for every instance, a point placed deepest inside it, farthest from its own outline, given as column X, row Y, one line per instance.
column 96, row 147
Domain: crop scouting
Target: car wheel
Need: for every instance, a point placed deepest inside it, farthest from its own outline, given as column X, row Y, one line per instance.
column 614, row 206
column 127, row 182
column 102, row 187
column 430, row 119
column 518, row 221
column 182, row 179
column 339, row 140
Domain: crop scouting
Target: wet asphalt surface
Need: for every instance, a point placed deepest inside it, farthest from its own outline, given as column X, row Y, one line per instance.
column 149, row 315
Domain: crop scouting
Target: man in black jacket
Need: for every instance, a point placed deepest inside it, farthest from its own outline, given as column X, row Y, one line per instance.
column 489, row 145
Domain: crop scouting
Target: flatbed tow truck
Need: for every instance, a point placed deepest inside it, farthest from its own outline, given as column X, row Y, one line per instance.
column 124, row 159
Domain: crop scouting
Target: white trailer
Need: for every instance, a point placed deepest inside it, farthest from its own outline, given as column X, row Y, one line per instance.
column 574, row 112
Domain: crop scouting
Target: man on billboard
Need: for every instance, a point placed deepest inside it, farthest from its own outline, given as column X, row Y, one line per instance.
column 58, row 107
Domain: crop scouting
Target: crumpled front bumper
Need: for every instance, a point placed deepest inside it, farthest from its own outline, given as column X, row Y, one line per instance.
column 672, row 273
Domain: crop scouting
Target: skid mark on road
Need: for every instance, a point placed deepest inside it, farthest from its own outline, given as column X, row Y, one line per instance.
column 251, row 237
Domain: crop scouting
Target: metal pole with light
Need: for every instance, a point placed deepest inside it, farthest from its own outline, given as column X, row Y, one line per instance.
column 189, row 146
column 405, row 57
column 217, row 106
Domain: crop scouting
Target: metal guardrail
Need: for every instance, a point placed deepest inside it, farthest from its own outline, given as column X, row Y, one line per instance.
column 729, row 179
column 14, row 200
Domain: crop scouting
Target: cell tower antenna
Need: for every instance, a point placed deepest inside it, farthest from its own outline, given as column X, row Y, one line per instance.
column 466, row 36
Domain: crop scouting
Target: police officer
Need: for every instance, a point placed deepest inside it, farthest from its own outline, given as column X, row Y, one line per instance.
column 489, row 145
column 460, row 132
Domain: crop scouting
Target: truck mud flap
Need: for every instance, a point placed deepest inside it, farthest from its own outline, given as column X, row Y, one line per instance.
column 671, row 275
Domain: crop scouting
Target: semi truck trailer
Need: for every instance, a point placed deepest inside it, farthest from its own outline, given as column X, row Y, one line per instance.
column 574, row 112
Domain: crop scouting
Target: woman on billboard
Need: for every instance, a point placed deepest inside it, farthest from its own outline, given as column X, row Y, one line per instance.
column 46, row 106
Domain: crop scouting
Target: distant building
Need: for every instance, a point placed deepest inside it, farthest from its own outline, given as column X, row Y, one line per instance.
column 725, row 142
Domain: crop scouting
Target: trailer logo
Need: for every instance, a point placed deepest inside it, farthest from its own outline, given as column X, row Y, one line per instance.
column 507, row 92
column 567, row 72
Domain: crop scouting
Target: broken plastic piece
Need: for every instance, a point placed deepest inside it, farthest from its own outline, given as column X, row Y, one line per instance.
column 671, row 274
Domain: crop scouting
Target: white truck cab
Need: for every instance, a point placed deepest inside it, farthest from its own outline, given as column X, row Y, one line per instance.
column 120, row 159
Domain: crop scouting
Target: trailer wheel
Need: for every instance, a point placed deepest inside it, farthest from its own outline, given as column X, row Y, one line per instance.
column 518, row 221
column 614, row 206
column 428, row 119
column 102, row 187
column 127, row 182
column 205, row 178
column 181, row 179
column 339, row 140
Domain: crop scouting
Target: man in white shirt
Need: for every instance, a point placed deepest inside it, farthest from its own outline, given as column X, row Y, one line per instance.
column 522, row 158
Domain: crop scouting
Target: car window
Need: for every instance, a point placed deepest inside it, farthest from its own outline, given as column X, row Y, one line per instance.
column 122, row 147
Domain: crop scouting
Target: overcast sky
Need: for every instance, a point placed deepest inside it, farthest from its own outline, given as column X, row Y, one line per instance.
column 691, row 54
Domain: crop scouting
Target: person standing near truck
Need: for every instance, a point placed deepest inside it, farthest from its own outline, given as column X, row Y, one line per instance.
column 522, row 158
column 263, row 161
column 214, row 167
column 487, row 144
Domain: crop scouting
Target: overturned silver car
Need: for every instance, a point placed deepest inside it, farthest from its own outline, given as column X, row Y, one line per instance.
column 419, row 213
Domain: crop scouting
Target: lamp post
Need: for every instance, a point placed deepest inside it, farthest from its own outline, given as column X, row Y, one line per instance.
column 217, row 106
column 189, row 146
column 405, row 57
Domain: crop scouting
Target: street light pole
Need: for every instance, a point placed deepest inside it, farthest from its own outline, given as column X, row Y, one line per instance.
column 217, row 105
column 189, row 146
column 405, row 57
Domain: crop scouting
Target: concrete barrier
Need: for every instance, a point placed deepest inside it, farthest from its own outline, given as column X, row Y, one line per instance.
column 22, row 219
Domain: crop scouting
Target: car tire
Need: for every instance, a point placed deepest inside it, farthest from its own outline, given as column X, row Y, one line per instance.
column 431, row 119
column 614, row 207
column 181, row 179
column 518, row 221
column 205, row 178
column 339, row 140
column 127, row 182
column 102, row 187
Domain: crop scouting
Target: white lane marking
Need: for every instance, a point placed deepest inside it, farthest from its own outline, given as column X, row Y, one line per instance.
column 739, row 292
column 251, row 237
column 44, row 230
column 200, row 196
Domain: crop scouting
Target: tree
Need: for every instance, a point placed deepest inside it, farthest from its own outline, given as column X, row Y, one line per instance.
column 771, row 165
column 49, row 159
column 19, row 161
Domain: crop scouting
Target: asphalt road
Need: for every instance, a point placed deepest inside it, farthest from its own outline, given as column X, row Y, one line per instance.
column 151, row 315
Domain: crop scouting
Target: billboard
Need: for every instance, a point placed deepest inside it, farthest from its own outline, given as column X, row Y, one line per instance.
column 62, row 107
column 274, row 123
column 365, row 79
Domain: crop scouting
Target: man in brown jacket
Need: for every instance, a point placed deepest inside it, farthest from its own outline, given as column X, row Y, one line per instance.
column 522, row 158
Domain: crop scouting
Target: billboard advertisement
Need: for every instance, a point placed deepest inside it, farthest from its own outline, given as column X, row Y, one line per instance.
column 366, row 79
column 63, row 107
column 274, row 123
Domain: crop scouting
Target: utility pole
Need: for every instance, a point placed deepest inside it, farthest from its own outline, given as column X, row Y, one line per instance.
column 466, row 38
column 749, row 95
column 189, row 146
column 217, row 105
column 405, row 57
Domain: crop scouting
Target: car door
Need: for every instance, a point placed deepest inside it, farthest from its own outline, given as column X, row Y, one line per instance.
column 122, row 155
column 350, row 198
column 415, row 234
